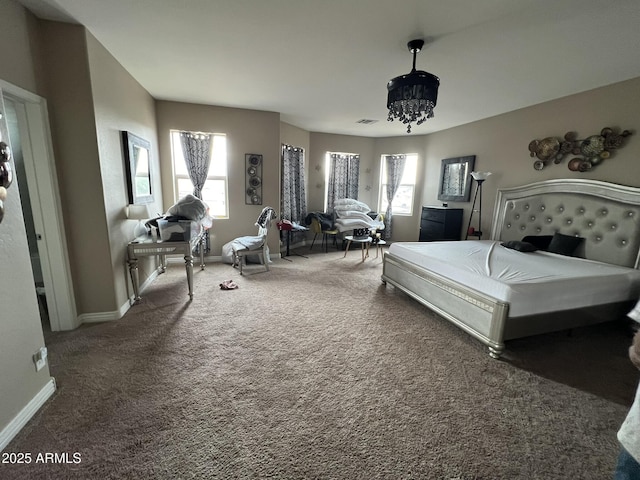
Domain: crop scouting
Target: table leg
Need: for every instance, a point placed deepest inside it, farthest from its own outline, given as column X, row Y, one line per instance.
column 202, row 253
column 135, row 280
column 346, row 249
column 188, row 263
column 163, row 263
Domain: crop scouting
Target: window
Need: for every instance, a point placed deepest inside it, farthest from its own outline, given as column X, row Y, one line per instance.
column 214, row 192
column 403, row 201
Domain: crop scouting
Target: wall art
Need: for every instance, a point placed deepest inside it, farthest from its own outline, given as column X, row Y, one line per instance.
column 586, row 153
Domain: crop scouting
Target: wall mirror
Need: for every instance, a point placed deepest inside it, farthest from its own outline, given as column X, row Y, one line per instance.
column 455, row 179
column 137, row 156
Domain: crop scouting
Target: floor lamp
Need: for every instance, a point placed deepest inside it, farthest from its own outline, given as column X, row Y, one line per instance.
column 479, row 177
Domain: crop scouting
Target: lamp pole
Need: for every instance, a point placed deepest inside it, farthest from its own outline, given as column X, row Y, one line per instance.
column 479, row 177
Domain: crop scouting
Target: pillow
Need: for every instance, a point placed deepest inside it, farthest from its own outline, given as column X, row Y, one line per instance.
column 346, row 204
column 540, row 241
column 520, row 246
column 564, row 244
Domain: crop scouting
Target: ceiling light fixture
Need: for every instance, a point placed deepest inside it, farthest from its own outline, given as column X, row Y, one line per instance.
column 412, row 97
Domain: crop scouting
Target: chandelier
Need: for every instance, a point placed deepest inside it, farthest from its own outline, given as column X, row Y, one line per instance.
column 412, row 97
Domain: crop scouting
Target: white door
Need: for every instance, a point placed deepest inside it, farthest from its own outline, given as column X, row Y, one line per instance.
column 35, row 143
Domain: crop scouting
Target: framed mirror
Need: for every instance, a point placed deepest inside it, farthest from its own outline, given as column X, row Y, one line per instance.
column 455, row 179
column 137, row 156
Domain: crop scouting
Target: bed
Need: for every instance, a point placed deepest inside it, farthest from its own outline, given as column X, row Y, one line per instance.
column 498, row 294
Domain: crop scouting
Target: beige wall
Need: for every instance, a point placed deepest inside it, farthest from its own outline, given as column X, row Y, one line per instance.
column 17, row 49
column 120, row 104
column 73, row 127
column 20, row 328
column 247, row 131
column 501, row 143
column 296, row 137
column 90, row 101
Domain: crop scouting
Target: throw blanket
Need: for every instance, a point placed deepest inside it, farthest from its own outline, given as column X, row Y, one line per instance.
column 324, row 219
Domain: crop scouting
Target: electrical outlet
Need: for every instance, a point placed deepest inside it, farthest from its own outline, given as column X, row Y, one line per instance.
column 40, row 358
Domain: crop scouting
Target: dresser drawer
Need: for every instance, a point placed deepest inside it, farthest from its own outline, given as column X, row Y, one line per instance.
column 434, row 214
column 440, row 224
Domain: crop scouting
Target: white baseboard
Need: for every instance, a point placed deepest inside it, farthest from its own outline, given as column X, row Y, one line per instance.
column 19, row 421
column 116, row 314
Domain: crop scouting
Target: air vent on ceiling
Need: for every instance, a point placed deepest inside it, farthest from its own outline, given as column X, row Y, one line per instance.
column 366, row 121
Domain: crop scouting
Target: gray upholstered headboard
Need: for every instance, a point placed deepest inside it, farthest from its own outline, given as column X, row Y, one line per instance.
column 606, row 215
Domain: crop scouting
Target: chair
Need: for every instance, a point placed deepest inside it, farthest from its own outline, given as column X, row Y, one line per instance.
column 254, row 245
column 316, row 228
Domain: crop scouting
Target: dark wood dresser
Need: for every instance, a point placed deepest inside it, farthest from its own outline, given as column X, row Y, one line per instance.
column 440, row 223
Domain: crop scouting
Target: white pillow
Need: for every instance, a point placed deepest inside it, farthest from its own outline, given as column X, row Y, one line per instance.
column 346, row 204
column 355, row 215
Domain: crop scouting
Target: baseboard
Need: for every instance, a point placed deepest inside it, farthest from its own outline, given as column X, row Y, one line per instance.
column 100, row 317
column 30, row 409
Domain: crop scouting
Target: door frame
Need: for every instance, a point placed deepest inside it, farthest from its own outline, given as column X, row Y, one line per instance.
column 44, row 193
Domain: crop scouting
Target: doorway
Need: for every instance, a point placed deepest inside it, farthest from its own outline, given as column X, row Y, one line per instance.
column 27, row 212
column 30, row 138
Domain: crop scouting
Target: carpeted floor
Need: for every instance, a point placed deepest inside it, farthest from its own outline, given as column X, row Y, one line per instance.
column 316, row 370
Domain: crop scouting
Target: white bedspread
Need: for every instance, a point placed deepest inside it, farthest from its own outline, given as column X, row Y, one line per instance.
column 532, row 283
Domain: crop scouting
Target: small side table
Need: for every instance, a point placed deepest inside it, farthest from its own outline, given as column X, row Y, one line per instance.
column 364, row 242
column 379, row 244
column 149, row 247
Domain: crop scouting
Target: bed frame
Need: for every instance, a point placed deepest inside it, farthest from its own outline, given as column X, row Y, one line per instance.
column 605, row 214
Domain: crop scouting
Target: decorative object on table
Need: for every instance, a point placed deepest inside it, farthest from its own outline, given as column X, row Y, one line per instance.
column 360, row 233
column 253, row 179
column 413, row 96
column 140, row 213
column 586, row 153
column 137, row 156
column 455, row 179
column 480, row 178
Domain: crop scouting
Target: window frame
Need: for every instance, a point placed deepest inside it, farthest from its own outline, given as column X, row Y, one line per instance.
column 382, row 185
column 175, row 144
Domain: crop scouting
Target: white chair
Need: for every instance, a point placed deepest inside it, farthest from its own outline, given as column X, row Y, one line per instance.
column 254, row 245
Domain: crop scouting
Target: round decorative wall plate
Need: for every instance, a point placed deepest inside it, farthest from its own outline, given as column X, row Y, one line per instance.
column 254, row 160
column 252, row 171
column 254, row 182
column 255, row 199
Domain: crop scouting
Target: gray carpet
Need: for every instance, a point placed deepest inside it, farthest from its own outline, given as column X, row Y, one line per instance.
column 315, row 370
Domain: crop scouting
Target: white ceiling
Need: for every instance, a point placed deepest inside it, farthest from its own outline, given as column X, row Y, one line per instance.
column 324, row 64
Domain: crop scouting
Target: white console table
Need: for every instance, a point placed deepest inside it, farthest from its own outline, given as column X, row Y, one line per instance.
column 148, row 247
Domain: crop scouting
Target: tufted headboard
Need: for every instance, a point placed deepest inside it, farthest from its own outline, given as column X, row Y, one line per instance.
column 606, row 215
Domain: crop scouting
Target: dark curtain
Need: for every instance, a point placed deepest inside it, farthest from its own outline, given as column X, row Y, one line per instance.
column 293, row 205
column 344, row 175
